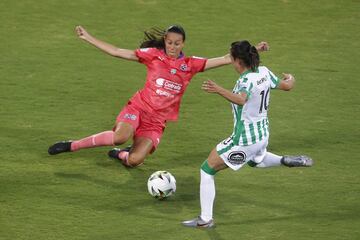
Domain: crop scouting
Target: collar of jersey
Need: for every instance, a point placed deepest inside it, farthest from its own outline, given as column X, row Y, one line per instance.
column 248, row 71
column 180, row 56
column 244, row 73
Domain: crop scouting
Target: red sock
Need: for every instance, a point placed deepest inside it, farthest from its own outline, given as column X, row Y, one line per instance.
column 101, row 139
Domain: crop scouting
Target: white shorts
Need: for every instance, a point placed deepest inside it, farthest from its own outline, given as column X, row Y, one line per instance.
column 235, row 156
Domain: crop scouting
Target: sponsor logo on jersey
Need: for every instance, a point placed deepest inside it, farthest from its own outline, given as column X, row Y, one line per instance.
column 237, row 157
column 130, row 116
column 172, row 86
column 163, row 93
column 169, row 85
column 183, row 67
column 159, row 82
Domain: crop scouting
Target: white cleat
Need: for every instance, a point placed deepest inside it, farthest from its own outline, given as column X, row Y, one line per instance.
column 297, row 161
column 199, row 223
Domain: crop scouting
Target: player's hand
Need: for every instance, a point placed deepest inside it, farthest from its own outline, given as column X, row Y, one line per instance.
column 82, row 33
column 210, row 87
column 288, row 77
column 227, row 57
column 262, row 47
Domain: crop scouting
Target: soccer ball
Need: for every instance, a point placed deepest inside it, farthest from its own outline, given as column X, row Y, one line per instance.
column 161, row 184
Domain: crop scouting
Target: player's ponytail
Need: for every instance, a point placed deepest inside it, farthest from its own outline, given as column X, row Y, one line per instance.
column 244, row 51
column 254, row 58
column 154, row 37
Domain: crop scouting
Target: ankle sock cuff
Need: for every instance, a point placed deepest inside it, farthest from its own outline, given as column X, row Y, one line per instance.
column 206, row 168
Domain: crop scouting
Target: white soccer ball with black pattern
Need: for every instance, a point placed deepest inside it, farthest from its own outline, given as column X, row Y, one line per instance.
column 161, row 184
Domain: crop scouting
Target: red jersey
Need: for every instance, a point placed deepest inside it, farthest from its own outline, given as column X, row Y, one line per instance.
column 166, row 81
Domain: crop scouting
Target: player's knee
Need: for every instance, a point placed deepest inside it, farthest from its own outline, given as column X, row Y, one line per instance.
column 135, row 159
column 120, row 138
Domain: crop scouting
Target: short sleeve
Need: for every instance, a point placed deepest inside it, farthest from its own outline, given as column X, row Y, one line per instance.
column 274, row 79
column 146, row 55
column 245, row 86
column 197, row 64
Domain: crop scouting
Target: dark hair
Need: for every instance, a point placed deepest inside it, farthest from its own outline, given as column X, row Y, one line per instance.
column 154, row 37
column 244, row 51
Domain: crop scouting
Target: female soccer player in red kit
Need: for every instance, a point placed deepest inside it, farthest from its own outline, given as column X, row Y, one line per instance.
column 144, row 117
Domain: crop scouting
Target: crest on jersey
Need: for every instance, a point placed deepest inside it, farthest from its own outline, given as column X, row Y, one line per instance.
column 183, row 67
column 130, row 116
column 173, row 71
column 237, row 157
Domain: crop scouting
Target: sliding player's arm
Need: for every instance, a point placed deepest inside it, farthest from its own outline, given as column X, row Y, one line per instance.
column 217, row 62
column 237, row 98
column 106, row 47
column 226, row 59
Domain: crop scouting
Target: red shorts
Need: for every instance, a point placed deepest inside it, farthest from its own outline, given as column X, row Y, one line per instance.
column 144, row 124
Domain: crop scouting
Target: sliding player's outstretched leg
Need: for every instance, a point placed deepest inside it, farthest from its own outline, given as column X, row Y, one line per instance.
column 107, row 138
column 100, row 139
column 59, row 147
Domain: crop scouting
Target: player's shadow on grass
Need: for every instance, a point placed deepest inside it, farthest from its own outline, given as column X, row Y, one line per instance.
column 187, row 195
column 135, row 188
column 187, row 187
column 84, row 177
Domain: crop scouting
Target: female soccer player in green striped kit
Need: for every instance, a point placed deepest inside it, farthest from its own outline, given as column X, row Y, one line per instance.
column 247, row 144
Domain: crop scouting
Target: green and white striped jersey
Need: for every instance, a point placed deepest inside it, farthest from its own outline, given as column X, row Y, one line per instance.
column 251, row 124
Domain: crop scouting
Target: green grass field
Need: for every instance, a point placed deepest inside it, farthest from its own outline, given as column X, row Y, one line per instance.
column 56, row 87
